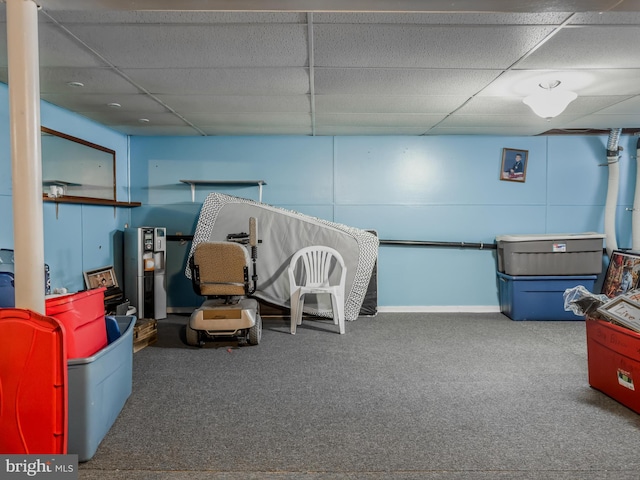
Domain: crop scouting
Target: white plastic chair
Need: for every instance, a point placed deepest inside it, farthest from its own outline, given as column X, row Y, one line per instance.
column 317, row 262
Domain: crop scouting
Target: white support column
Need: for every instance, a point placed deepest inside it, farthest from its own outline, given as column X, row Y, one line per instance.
column 24, row 103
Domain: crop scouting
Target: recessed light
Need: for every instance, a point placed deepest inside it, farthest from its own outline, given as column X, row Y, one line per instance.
column 143, row 120
column 114, row 105
column 75, row 84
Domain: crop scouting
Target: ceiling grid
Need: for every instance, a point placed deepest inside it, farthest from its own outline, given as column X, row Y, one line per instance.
column 312, row 98
column 331, row 67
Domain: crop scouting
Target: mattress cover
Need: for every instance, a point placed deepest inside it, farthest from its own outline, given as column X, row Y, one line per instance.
column 281, row 233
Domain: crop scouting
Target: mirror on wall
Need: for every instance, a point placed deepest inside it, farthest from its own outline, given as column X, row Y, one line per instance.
column 75, row 168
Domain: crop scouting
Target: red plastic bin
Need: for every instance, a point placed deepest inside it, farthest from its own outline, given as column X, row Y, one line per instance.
column 82, row 315
column 34, row 388
column 614, row 362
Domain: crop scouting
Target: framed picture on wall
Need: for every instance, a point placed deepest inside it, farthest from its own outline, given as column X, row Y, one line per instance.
column 623, row 273
column 514, row 165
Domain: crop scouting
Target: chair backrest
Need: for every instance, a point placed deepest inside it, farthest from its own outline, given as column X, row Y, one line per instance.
column 317, row 261
column 220, row 268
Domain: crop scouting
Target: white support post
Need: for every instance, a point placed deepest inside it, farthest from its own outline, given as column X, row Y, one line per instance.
column 24, row 111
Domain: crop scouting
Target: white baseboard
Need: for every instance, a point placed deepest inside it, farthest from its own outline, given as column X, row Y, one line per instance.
column 442, row 309
column 400, row 309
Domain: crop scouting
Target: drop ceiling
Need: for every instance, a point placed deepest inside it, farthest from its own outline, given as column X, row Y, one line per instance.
column 338, row 67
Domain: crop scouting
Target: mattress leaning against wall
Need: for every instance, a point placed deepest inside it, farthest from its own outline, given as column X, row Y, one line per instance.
column 281, row 233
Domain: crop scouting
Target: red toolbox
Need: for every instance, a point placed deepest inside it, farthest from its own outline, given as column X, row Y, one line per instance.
column 614, row 361
column 34, row 393
column 82, row 315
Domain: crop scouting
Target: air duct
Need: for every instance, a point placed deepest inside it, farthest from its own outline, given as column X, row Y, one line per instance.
column 612, row 191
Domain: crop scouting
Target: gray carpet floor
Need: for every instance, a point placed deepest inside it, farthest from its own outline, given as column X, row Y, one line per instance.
column 401, row 396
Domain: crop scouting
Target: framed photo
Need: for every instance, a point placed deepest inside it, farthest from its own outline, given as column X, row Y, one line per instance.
column 514, row 165
column 634, row 296
column 623, row 273
column 622, row 311
column 101, row 277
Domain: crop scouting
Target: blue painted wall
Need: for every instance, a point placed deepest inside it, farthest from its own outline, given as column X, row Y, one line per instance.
column 443, row 188
column 76, row 237
column 411, row 188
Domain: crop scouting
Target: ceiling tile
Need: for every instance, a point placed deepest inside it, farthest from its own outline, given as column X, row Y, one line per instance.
column 156, row 130
column 95, row 80
column 99, row 102
column 56, row 49
column 387, row 103
column 421, row 46
column 443, row 18
column 343, row 5
column 584, row 82
column 606, row 18
column 529, row 120
column 382, row 81
column 304, row 129
column 495, row 106
column 115, row 117
column 489, row 130
column 195, row 46
column 630, row 106
column 515, row 106
column 377, row 120
column 606, row 122
column 588, row 47
column 627, row 5
column 236, row 103
column 248, row 120
column 360, row 130
column 587, row 105
column 223, row 81
column 164, row 18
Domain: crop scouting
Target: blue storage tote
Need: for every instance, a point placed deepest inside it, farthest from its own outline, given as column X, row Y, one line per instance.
column 98, row 389
column 539, row 297
column 7, row 283
column 7, row 290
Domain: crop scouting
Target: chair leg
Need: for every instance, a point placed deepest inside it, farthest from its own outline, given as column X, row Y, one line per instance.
column 334, row 309
column 338, row 313
column 297, row 304
column 300, row 309
column 294, row 305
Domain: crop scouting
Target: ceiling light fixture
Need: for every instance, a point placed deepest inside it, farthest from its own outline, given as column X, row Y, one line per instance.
column 550, row 102
column 143, row 120
column 113, row 105
column 75, row 84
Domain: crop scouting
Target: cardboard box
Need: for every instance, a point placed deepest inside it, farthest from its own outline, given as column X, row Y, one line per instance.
column 539, row 297
column 550, row 254
column 614, row 362
column 98, row 389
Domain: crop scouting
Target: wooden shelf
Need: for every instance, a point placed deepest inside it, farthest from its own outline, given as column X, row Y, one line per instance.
column 91, row 201
column 193, row 183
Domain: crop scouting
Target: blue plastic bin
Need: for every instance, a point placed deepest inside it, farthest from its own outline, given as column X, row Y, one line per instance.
column 113, row 328
column 7, row 290
column 539, row 297
column 98, row 389
column 7, row 284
